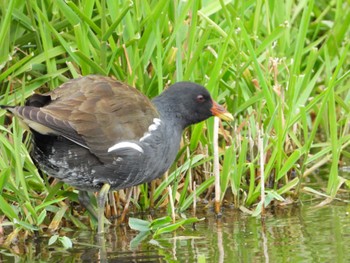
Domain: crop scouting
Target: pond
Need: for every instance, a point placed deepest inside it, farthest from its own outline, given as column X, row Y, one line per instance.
column 297, row 233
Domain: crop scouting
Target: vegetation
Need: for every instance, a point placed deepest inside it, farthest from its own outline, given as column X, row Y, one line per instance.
column 281, row 67
column 156, row 227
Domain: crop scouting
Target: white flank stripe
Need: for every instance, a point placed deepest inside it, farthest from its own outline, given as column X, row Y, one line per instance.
column 147, row 134
column 154, row 126
column 157, row 121
column 122, row 145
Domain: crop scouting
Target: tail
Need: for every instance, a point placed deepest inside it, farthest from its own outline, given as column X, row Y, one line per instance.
column 10, row 109
column 6, row 107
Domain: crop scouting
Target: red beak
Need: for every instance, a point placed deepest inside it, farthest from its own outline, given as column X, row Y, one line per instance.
column 221, row 112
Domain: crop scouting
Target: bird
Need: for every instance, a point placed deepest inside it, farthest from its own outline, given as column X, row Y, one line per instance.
column 98, row 134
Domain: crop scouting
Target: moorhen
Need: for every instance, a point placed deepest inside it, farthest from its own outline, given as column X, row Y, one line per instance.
column 97, row 134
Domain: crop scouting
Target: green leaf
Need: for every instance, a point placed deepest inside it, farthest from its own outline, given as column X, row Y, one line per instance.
column 293, row 158
column 257, row 210
column 160, row 222
column 50, row 202
column 139, row 224
column 41, row 217
column 7, row 209
column 53, row 239
column 174, row 226
column 200, row 189
column 4, row 175
column 272, row 195
column 72, row 17
column 138, row 239
column 66, row 242
column 288, row 186
column 25, row 225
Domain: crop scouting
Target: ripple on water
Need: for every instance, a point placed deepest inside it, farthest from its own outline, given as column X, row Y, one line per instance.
column 293, row 234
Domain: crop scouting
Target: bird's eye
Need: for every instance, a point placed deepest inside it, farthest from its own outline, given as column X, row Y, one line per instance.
column 200, row 98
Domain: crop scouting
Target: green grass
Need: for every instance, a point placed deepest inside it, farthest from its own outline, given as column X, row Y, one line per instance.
column 281, row 67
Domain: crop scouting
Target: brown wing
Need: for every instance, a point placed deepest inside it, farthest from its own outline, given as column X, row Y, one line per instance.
column 94, row 111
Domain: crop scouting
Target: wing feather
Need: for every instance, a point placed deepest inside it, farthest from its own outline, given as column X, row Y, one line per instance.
column 96, row 112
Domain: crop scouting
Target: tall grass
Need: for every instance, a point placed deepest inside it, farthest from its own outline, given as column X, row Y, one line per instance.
column 281, row 67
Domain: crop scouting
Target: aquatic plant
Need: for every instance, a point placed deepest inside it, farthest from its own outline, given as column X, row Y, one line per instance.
column 280, row 66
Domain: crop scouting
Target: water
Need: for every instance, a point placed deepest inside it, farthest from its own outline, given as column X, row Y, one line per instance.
column 291, row 234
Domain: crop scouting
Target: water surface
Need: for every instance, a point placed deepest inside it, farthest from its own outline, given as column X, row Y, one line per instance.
column 298, row 233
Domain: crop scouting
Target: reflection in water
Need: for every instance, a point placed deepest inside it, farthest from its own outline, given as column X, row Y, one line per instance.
column 174, row 249
column 296, row 234
column 221, row 249
column 264, row 240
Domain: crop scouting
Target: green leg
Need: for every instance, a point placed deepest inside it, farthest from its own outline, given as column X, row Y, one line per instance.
column 98, row 215
column 84, row 200
column 101, row 201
